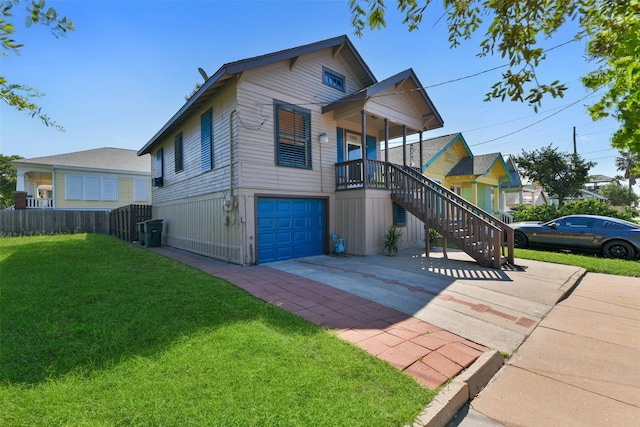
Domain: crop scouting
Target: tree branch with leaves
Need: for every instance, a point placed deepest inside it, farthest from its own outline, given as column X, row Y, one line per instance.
column 17, row 95
column 514, row 29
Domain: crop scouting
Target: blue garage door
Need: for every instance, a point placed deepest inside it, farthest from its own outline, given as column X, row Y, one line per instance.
column 289, row 228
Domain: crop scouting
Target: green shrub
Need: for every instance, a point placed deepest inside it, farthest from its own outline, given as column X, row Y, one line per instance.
column 583, row 207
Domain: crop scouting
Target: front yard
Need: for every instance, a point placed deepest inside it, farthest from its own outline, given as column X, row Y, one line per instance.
column 95, row 331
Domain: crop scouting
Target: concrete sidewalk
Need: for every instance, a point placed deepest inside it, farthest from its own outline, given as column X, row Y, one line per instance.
column 581, row 366
column 574, row 363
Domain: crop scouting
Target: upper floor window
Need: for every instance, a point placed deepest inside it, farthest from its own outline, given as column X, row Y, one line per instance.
column 206, row 140
column 159, row 163
column 178, row 149
column 293, row 136
column 333, row 79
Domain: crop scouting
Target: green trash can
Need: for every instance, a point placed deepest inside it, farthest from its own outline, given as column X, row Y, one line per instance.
column 153, row 233
column 140, row 233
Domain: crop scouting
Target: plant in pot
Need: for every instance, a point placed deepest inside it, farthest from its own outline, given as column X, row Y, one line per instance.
column 391, row 242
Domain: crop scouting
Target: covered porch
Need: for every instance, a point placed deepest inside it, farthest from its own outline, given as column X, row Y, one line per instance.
column 37, row 183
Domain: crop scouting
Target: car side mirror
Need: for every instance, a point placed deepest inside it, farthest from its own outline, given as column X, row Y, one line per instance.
column 553, row 225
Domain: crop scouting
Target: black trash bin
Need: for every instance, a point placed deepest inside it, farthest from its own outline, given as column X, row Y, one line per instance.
column 140, row 233
column 153, row 233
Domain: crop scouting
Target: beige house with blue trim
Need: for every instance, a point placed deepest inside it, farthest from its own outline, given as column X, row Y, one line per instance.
column 97, row 179
column 275, row 154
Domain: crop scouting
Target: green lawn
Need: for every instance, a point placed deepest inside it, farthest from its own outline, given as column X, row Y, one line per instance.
column 95, row 331
column 591, row 263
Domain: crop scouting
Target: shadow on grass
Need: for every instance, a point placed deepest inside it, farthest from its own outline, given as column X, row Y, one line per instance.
column 86, row 302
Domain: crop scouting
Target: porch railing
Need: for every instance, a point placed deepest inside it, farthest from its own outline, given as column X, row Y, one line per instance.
column 39, row 203
column 481, row 235
column 349, row 175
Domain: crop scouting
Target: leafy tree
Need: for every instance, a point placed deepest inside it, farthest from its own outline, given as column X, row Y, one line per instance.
column 628, row 163
column 618, row 194
column 561, row 174
column 8, row 176
column 611, row 29
column 17, row 95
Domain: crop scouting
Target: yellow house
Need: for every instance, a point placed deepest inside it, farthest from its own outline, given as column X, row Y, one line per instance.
column 97, row 179
column 449, row 161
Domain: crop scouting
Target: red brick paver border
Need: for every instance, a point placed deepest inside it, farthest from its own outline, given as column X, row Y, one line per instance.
column 424, row 351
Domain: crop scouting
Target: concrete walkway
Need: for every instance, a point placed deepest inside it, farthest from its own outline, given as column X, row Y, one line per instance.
column 495, row 308
column 574, row 363
column 580, row 367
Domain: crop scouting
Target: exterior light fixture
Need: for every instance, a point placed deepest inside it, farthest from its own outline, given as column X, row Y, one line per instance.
column 323, row 138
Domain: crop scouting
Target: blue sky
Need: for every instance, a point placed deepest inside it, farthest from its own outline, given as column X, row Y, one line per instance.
column 125, row 70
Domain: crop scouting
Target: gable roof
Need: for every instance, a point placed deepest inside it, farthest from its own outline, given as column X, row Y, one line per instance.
column 431, row 149
column 371, row 91
column 98, row 158
column 477, row 165
column 340, row 44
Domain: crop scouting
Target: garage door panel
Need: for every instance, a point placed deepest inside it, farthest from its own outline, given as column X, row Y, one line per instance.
column 289, row 228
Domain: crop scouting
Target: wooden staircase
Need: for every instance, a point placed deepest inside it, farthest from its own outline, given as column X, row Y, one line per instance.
column 478, row 233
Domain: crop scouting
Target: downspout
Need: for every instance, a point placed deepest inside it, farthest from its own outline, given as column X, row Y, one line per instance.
column 232, row 115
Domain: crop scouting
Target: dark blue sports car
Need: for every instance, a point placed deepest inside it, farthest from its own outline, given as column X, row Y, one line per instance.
column 611, row 237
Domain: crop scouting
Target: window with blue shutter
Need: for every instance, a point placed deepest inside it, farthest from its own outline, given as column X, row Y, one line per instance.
column 399, row 216
column 206, row 140
column 179, row 151
column 293, row 136
column 159, row 163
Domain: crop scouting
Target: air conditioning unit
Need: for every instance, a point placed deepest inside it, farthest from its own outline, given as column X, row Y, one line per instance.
column 157, row 182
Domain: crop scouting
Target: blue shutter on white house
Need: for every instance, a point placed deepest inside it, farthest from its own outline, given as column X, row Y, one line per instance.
column 340, row 142
column 293, row 136
column 159, row 163
column 206, row 140
column 372, row 148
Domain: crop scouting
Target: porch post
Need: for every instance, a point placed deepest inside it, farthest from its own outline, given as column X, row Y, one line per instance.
column 421, row 155
column 474, row 192
column 386, row 152
column 365, row 180
column 20, row 181
column 404, row 145
column 496, row 200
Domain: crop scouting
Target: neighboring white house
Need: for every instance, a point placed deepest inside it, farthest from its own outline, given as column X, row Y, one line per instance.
column 102, row 179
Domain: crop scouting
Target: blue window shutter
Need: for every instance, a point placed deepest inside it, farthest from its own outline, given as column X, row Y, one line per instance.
column 206, row 140
column 160, row 163
column 372, row 148
column 399, row 216
column 340, row 142
column 179, row 153
column 293, row 136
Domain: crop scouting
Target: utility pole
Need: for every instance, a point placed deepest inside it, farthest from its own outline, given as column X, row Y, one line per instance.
column 575, row 147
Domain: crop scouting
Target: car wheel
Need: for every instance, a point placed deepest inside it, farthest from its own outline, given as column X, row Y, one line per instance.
column 618, row 249
column 520, row 240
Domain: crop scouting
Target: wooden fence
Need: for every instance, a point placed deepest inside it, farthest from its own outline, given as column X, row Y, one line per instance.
column 123, row 221
column 26, row 222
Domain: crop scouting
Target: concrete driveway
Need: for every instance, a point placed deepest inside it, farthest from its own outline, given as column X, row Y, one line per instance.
column 495, row 308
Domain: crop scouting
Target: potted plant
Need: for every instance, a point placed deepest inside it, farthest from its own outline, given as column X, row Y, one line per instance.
column 391, row 241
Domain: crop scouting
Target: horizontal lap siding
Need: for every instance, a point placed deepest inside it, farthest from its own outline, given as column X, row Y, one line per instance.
column 303, row 87
column 193, row 181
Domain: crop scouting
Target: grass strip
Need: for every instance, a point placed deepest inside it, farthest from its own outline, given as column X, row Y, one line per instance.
column 591, row 263
column 99, row 332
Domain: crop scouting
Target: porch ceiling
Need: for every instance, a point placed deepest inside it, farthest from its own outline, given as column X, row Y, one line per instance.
column 40, row 178
column 401, row 99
